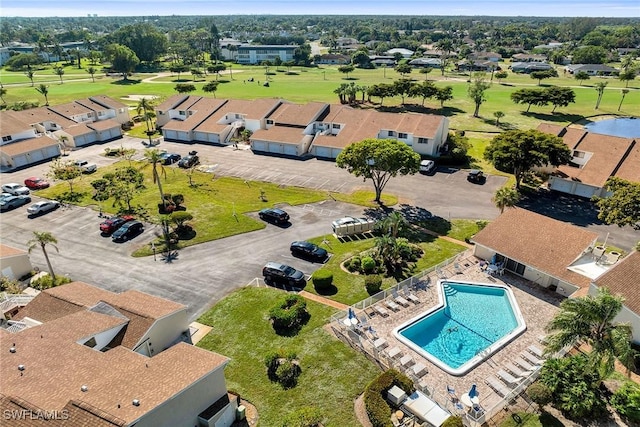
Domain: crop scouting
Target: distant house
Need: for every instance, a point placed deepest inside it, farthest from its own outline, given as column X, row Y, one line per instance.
column 485, row 56
column 529, row 67
column 596, row 158
column 553, row 254
column 426, row 62
column 477, row 66
column 406, row 53
column 333, row 59
column 592, row 69
column 256, row 54
column 528, row 57
column 380, row 60
column 549, row 46
column 106, row 359
column 622, row 280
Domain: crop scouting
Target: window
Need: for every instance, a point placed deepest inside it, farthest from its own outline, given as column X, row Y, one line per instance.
column 182, row 113
column 402, row 135
column 578, row 154
column 423, row 140
column 91, row 343
column 269, row 121
column 6, row 138
column 391, row 133
column 335, row 126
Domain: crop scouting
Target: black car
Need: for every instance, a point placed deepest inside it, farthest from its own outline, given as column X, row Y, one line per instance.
column 170, row 158
column 476, row 176
column 275, row 215
column 308, row 250
column 274, row 272
column 127, row 231
column 189, row 161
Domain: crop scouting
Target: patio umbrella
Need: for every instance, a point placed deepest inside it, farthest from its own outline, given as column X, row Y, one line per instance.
column 494, row 258
column 351, row 313
column 473, row 392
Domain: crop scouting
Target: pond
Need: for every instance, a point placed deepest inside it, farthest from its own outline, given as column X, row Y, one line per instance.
column 625, row 127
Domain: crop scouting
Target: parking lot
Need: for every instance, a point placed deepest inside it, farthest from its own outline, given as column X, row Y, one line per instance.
column 205, row 273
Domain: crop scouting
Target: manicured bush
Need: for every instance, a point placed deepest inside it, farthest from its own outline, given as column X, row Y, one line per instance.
column 378, row 410
column 283, row 369
column 453, row 422
column 306, row 416
column 354, row 264
column 540, row 394
column 368, row 264
column 322, row 279
column 46, row 282
column 290, row 314
column 627, row 401
column 373, row 284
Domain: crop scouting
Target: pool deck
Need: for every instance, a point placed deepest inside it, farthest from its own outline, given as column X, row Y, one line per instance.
column 536, row 304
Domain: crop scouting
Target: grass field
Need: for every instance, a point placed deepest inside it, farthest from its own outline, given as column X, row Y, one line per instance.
column 333, row 374
column 318, row 84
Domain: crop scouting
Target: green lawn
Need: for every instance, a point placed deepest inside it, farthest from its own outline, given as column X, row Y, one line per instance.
column 318, row 84
column 532, row 420
column 333, row 374
column 459, row 229
column 348, row 287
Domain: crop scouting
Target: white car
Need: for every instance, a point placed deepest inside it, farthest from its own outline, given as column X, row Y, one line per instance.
column 15, row 189
column 43, row 207
column 86, row 167
column 427, row 166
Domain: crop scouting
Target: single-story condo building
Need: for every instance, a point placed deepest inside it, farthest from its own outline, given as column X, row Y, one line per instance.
column 592, row 69
column 529, row 67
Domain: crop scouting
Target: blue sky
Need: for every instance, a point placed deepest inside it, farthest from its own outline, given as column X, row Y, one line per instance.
column 38, row 8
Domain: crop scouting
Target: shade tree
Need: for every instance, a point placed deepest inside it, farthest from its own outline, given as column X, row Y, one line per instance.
column 622, row 207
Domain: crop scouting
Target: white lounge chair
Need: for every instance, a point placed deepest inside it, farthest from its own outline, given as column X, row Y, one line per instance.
column 392, row 305
column 516, row 370
column 393, row 352
column 419, row 369
column 411, row 297
column 524, row 364
column 406, row 361
column 531, row 358
column 380, row 343
column 497, row 385
column 381, row 310
column 536, row 350
column 400, row 300
column 508, row 378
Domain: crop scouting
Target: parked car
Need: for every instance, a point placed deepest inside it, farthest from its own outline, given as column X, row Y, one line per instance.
column 274, row 272
column 86, row 167
column 36, row 183
column 11, row 202
column 427, row 166
column 275, row 215
column 43, row 207
column 14, row 189
column 476, row 176
column 189, row 161
column 170, row 158
column 308, row 250
column 110, row 225
column 127, row 231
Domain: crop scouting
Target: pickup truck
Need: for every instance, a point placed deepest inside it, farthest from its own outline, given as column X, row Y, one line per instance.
column 86, row 167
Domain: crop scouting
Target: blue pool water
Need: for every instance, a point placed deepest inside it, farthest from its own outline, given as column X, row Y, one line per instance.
column 474, row 321
column 625, row 127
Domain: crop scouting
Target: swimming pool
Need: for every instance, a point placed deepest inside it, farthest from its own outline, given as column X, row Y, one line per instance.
column 472, row 321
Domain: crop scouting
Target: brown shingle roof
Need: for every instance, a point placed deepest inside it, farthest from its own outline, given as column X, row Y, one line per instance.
column 624, row 279
column 298, row 114
column 178, row 102
column 28, row 145
column 538, row 241
column 70, row 109
column 78, row 129
column 9, row 251
column 630, row 167
column 198, row 112
column 11, row 123
column 103, row 125
column 108, row 101
column 43, row 114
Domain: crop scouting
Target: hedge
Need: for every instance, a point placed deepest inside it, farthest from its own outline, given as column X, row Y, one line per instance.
column 289, row 314
column 322, row 279
column 373, row 284
column 378, row 409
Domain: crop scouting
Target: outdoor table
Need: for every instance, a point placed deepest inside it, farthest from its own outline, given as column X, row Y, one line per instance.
column 492, row 269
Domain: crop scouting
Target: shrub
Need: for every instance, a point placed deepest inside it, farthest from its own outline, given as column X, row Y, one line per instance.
column 540, row 393
column 368, row 264
column 373, row 284
column 627, row 401
column 46, row 282
column 290, row 314
column 377, row 408
column 354, row 264
column 306, row 416
column 322, row 279
column 453, row 422
column 282, row 369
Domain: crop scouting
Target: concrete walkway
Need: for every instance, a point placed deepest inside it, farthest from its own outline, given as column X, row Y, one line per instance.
column 323, row 300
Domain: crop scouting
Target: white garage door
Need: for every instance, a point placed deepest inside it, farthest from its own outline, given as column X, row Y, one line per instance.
column 36, row 156
column 170, row 134
column 290, row 150
column 20, row 160
column 274, row 147
column 561, row 185
column 258, row 146
column 322, row 152
column 53, row 151
column 583, row 190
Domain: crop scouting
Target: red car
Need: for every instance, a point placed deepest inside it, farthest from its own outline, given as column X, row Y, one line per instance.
column 36, row 183
column 112, row 224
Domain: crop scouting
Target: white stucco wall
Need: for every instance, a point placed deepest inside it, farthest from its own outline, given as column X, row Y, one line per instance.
column 162, row 333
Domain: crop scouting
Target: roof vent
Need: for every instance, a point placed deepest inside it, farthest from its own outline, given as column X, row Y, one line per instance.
column 84, row 388
column 136, row 402
column 12, row 350
column 20, row 367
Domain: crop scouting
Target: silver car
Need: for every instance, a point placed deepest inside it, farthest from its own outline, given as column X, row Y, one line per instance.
column 43, row 207
column 15, row 189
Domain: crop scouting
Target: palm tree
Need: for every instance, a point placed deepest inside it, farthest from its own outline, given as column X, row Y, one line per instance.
column 145, row 106
column 42, row 239
column 624, row 93
column 506, row 197
column 600, row 89
column 393, row 224
column 153, row 156
column 590, row 320
column 43, row 89
column 92, row 71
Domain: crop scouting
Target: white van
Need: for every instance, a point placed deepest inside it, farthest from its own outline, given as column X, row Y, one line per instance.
column 427, row 166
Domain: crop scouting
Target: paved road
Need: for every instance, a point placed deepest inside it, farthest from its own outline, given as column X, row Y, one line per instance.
column 205, row 273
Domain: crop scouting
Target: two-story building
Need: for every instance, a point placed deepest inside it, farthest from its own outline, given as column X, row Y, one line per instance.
column 256, row 54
